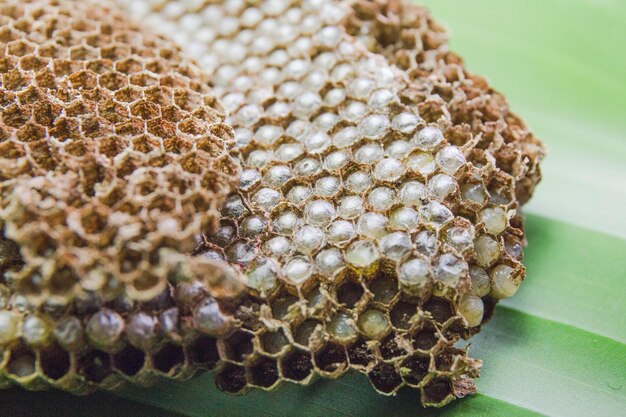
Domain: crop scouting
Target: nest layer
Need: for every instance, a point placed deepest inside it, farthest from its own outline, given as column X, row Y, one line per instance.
column 114, row 158
column 375, row 222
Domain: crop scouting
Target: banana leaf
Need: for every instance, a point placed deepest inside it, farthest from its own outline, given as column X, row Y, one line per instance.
column 558, row 348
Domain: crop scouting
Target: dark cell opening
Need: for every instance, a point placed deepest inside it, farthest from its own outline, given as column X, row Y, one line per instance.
column 425, row 339
column 439, row 309
column 297, row 365
column 55, row 362
column 385, row 378
column 280, row 306
column 349, row 293
column 168, row 358
column 303, row 331
column 330, row 357
column 203, row 352
column 21, row 362
column 359, row 354
column 443, row 362
column 436, row 390
column 274, row 342
column 238, row 346
column 401, row 315
column 389, row 348
column 418, row 369
column 384, row 288
column 231, row 379
column 264, row 372
column 95, row 365
column 129, row 360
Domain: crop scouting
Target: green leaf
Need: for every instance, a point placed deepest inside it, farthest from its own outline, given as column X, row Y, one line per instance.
column 558, row 347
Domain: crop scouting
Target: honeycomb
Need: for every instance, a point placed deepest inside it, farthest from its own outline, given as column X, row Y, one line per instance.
column 114, row 159
column 377, row 213
column 376, row 217
column 408, row 37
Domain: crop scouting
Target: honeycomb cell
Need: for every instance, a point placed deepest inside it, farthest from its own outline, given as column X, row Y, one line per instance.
column 264, row 372
column 331, row 359
column 415, row 369
column 238, row 346
column 389, row 348
column 384, row 288
column 21, row 363
column 437, row 391
column 203, row 351
column 403, row 315
column 304, row 332
column 296, row 365
column 169, row 359
column 231, row 379
column 95, row 366
column 349, row 293
column 425, row 339
column 374, row 323
column 55, row 362
column 385, row 378
column 274, row 342
column 129, row 360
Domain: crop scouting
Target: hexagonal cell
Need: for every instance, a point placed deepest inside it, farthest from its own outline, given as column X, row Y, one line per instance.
column 342, row 327
column 331, row 358
column 169, row 359
column 274, row 342
column 359, row 354
column 415, row 369
column 384, row 288
column 374, row 323
column 95, row 366
column 20, row 47
column 21, row 362
column 238, row 346
column 438, row 308
column 302, row 332
column 385, row 378
column 263, row 372
column 129, row 360
column 231, row 379
column 247, row 312
column 402, row 313
column 54, row 361
column 425, row 339
column 315, row 298
column 389, row 348
column 437, row 391
column 296, row 365
column 282, row 304
column 444, row 361
column 203, row 352
column 349, row 293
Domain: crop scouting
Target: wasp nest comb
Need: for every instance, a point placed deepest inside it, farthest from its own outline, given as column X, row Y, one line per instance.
column 376, row 218
column 377, row 213
column 114, row 158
